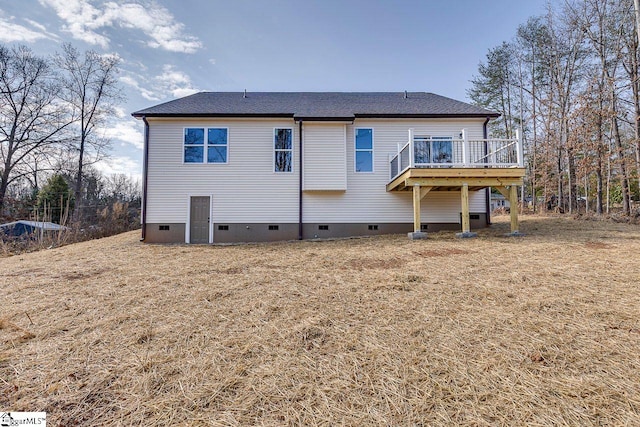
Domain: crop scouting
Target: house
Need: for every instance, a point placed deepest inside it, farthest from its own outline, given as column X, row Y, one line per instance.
column 233, row 166
column 28, row 228
column 498, row 201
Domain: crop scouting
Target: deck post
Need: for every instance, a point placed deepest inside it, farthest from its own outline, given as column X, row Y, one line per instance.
column 466, row 228
column 513, row 209
column 417, row 229
column 416, row 208
column 520, row 149
column 411, row 148
column 466, row 158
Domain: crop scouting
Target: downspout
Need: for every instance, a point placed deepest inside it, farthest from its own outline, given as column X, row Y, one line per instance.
column 485, row 136
column 145, row 172
column 300, row 234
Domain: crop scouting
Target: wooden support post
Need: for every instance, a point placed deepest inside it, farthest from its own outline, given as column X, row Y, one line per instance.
column 466, row 227
column 416, row 208
column 513, row 208
column 465, row 208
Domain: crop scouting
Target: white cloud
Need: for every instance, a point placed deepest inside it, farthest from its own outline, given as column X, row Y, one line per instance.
column 120, row 112
column 81, row 18
column 84, row 21
column 126, row 130
column 145, row 93
column 175, row 82
column 35, row 24
column 12, row 32
column 171, row 83
column 120, row 165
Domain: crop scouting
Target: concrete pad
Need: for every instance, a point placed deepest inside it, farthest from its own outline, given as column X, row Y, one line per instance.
column 417, row 235
column 467, row 235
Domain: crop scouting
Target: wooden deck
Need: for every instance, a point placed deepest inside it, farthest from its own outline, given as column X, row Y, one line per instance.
column 452, row 179
column 423, row 180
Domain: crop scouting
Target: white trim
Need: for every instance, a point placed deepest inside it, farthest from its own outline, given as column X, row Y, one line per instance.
column 355, row 150
column 205, row 145
column 346, row 156
column 187, row 230
column 273, row 150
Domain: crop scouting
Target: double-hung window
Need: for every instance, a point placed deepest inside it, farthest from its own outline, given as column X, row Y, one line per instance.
column 214, row 140
column 364, row 150
column 283, row 150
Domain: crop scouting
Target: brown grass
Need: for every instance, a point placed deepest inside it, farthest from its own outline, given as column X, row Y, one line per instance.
column 540, row 330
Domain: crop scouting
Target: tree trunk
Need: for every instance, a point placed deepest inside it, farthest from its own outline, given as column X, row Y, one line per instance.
column 560, row 202
column 4, row 179
column 599, row 178
column 571, row 166
column 78, row 187
column 626, row 206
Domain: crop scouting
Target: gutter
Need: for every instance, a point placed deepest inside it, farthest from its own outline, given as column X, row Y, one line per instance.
column 300, row 234
column 488, row 189
column 145, row 173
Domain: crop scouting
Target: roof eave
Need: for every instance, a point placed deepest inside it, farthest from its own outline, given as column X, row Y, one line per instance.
column 429, row 116
column 325, row 118
column 141, row 114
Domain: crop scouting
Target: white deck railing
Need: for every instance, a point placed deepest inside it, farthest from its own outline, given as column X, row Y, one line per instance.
column 434, row 152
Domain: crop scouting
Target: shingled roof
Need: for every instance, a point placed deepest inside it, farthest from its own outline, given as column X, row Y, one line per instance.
column 315, row 105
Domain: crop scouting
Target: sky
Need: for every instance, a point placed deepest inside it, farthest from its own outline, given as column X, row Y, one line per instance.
column 173, row 48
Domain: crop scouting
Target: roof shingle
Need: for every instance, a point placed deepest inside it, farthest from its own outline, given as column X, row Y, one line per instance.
column 315, row 105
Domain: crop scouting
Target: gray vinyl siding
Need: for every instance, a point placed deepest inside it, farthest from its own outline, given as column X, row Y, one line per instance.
column 366, row 198
column 325, row 157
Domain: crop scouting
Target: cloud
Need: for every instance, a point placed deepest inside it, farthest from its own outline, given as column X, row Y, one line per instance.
column 85, row 21
column 147, row 94
column 120, row 165
column 12, row 32
column 126, row 130
column 81, row 18
column 175, row 82
column 170, row 83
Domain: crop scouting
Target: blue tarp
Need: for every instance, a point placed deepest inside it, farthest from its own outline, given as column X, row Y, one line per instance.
column 22, row 227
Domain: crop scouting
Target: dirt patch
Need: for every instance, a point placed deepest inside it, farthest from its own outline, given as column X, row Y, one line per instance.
column 597, row 245
column 441, row 252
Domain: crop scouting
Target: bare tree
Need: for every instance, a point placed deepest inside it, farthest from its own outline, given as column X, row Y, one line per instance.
column 90, row 89
column 31, row 118
column 579, row 95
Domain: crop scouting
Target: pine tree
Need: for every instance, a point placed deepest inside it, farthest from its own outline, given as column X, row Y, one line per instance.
column 55, row 198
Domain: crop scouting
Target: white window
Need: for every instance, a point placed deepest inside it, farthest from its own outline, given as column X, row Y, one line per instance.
column 283, row 150
column 216, row 141
column 364, row 150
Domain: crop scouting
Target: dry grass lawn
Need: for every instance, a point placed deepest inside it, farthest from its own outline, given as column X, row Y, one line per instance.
column 540, row 330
